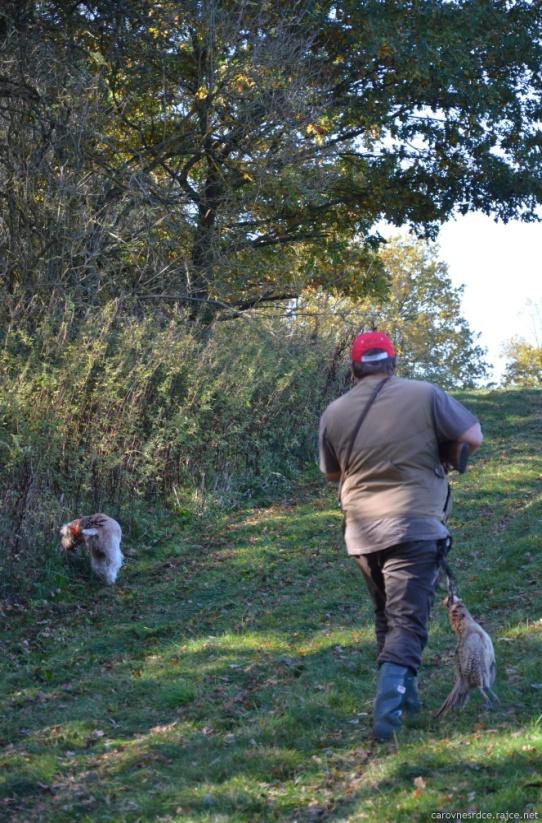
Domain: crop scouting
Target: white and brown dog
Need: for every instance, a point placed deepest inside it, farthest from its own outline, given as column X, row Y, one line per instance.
column 101, row 535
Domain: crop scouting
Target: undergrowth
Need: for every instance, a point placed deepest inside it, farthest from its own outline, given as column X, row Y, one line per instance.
column 130, row 413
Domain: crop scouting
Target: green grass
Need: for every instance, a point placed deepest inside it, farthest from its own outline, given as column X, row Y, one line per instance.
column 230, row 674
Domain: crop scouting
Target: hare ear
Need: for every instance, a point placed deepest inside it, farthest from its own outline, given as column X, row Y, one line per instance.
column 89, row 532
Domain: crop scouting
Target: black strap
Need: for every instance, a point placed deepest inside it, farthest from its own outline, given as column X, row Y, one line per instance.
column 363, row 415
column 444, row 547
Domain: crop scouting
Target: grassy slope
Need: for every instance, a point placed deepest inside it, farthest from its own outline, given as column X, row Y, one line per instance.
column 229, row 675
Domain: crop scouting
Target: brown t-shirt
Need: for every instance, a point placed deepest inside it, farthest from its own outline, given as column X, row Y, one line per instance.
column 363, row 536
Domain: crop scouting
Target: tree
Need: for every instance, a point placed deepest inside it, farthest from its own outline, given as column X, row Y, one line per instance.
column 180, row 136
column 434, row 341
column 443, row 102
column 422, row 314
column 525, row 364
column 246, row 150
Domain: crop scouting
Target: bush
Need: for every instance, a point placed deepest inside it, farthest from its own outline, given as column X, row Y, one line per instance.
column 119, row 410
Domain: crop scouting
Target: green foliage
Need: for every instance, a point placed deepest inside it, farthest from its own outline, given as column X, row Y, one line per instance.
column 228, row 154
column 120, row 409
column 423, row 315
column 445, row 101
column 421, row 312
column 525, row 364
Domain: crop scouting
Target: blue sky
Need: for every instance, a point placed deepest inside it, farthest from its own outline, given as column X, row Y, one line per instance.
column 501, row 268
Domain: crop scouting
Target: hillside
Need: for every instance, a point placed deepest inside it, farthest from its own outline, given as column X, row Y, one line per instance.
column 230, row 673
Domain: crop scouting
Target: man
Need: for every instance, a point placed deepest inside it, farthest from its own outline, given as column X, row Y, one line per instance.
column 394, row 494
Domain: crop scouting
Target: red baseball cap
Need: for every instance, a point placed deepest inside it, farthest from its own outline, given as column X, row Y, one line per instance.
column 368, row 341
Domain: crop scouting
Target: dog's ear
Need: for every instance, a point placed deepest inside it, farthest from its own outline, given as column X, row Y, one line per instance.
column 73, row 528
column 89, row 532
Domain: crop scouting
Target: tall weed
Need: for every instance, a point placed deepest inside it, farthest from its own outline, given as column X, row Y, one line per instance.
column 118, row 410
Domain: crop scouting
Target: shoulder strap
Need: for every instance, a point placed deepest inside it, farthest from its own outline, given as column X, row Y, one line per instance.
column 355, row 432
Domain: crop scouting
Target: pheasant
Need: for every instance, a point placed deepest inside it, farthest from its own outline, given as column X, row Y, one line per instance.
column 474, row 658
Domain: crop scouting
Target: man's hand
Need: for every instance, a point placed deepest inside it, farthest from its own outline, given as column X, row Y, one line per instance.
column 473, row 437
column 454, row 454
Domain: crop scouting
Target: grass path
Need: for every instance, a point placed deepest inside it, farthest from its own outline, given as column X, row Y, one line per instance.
column 229, row 675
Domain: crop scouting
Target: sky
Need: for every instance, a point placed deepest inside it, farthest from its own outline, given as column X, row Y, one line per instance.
column 500, row 266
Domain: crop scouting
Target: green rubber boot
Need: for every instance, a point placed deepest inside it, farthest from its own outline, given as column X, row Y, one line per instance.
column 412, row 703
column 390, row 696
